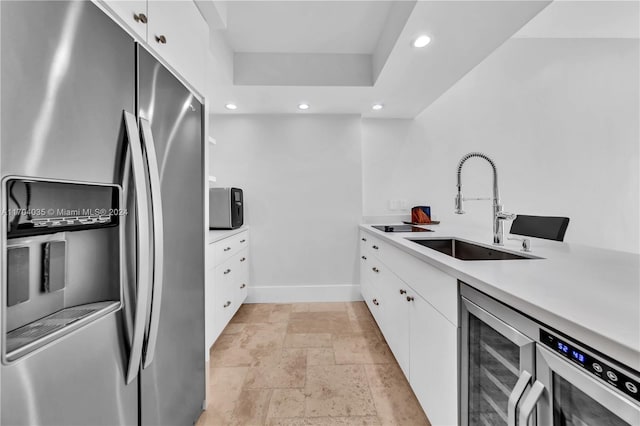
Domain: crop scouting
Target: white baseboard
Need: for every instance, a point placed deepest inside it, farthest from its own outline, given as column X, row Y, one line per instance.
column 304, row 293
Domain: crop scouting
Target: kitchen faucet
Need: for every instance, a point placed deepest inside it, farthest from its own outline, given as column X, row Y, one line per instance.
column 498, row 215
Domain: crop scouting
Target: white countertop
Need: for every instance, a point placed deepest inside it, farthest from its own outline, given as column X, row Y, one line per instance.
column 590, row 294
column 221, row 234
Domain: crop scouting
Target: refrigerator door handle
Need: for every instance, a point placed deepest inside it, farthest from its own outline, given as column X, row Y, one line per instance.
column 142, row 241
column 127, row 299
column 158, row 241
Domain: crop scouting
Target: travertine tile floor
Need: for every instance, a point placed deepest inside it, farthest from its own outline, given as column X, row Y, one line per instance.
column 307, row 364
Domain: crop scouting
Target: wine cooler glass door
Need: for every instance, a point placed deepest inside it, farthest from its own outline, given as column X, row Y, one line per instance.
column 497, row 366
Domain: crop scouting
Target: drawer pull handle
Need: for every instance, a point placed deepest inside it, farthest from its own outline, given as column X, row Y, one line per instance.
column 227, row 271
column 375, row 302
column 364, row 257
column 243, row 259
column 161, row 39
column 410, row 299
column 376, row 270
column 243, row 241
column 375, row 247
column 227, row 248
column 243, row 286
column 364, row 239
column 140, row 17
column 403, row 291
column 226, row 305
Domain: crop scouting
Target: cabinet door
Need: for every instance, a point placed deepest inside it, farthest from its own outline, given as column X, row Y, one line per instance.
column 179, row 34
column 395, row 327
column 129, row 13
column 434, row 365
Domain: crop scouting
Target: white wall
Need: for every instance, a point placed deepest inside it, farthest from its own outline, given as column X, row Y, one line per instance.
column 302, row 184
column 560, row 117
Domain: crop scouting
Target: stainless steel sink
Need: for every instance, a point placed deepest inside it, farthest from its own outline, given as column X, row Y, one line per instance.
column 464, row 250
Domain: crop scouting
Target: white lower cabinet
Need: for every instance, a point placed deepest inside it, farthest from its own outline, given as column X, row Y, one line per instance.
column 433, row 367
column 415, row 317
column 227, row 282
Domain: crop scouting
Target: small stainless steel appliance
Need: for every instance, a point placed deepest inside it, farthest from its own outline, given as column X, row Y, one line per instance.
column 515, row 371
column 226, row 210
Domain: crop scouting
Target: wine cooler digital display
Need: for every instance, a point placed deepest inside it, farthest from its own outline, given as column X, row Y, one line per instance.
column 597, row 367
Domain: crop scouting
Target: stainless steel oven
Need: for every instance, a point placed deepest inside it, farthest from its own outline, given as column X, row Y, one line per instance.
column 516, row 371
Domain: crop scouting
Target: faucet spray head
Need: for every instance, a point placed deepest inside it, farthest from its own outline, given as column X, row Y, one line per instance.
column 459, row 200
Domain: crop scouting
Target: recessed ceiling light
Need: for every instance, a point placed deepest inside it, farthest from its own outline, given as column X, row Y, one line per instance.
column 377, row 107
column 303, row 106
column 422, row 41
column 231, row 106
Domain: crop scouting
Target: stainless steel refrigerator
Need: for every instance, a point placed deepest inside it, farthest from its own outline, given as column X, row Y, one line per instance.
column 102, row 232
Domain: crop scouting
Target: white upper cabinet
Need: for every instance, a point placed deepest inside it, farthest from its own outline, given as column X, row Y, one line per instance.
column 180, row 35
column 132, row 13
column 174, row 30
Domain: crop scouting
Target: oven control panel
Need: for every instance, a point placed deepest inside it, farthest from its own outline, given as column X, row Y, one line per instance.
column 603, row 370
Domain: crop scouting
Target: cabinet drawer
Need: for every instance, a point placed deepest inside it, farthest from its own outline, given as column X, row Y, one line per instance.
column 229, row 271
column 225, row 249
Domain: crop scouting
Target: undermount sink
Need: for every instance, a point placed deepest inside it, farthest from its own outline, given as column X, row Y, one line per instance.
column 464, row 250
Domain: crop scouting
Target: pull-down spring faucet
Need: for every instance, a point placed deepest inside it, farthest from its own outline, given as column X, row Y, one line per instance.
column 498, row 215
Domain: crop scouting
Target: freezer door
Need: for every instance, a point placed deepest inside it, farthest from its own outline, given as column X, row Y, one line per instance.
column 172, row 381
column 67, row 73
